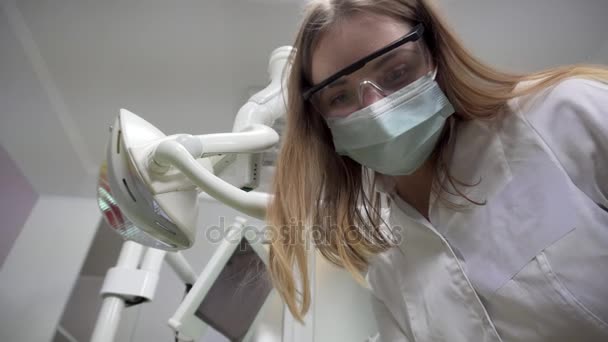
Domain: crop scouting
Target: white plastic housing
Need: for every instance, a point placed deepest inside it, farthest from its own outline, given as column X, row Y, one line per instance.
column 155, row 179
column 168, row 216
column 263, row 107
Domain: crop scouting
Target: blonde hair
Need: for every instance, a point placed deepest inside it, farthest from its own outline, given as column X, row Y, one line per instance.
column 320, row 192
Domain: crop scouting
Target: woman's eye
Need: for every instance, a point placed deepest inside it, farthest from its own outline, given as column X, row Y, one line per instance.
column 338, row 100
column 396, row 75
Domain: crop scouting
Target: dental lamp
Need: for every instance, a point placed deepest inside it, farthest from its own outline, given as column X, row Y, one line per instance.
column 148, row 191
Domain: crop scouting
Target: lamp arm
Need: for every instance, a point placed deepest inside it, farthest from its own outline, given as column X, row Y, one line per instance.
column 172, row 152
column 253, row 139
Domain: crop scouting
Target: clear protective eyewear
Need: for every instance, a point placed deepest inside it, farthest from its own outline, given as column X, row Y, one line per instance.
column 385, row 71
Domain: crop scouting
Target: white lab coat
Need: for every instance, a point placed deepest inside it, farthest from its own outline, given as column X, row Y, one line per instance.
column 529, row 265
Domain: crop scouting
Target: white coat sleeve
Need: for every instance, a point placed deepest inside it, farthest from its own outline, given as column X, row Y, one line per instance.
column 572, row 120
column 388, row 328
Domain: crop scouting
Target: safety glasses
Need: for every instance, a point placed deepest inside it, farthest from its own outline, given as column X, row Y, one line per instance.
column 385, row 71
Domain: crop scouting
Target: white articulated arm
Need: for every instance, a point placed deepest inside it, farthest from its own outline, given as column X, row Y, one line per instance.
column 251, row 203
column 253, row 138
column 267, row 105
column 264, row 107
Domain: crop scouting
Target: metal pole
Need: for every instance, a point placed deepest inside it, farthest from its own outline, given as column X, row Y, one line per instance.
column 112, row 306
column 182, row 267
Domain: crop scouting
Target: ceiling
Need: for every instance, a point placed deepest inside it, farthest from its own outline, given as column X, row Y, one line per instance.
column 67, row 66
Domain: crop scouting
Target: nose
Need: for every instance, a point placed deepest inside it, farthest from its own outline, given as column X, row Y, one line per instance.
column 368, row 94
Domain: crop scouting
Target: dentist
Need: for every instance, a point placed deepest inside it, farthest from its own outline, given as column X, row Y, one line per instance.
column 497, row 183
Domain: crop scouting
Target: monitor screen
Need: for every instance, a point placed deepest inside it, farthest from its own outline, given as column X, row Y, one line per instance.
column 237, row 295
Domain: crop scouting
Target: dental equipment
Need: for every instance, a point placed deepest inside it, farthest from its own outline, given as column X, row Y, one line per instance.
column 148, row 194
column 155, row 179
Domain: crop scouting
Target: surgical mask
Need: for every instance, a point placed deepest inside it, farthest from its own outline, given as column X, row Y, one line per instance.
column 397, row 134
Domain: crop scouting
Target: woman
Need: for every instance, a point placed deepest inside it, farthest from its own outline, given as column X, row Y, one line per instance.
column 497, row 183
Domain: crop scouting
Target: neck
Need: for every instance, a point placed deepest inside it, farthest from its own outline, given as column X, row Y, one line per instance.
column 415, row 189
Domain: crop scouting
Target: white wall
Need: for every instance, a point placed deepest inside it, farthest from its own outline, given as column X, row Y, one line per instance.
column 601, row 55
column 524, row 35
column 43, row 265
column 32, row 127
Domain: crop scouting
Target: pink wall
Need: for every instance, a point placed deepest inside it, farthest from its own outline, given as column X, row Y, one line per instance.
column 17, row 198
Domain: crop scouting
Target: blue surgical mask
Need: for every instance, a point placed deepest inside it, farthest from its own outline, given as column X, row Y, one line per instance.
column 395, row 135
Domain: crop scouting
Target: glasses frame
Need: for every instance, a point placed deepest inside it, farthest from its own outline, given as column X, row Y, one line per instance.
column 414, row 35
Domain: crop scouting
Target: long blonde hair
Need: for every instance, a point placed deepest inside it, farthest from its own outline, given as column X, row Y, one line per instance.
column 320, row 193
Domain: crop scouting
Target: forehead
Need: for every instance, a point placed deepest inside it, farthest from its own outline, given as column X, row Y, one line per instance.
column 351, row 39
